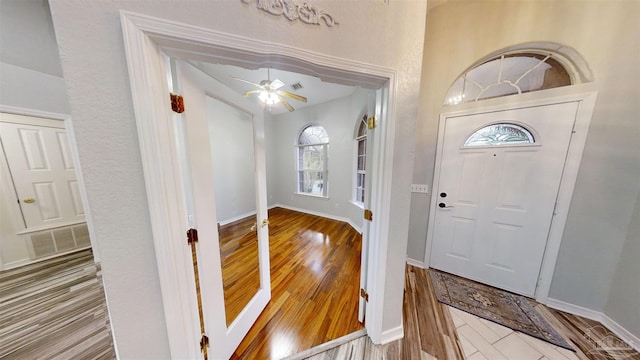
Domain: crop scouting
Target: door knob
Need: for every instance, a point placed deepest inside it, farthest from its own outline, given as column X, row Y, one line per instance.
column 28, row 200
column 265, row 222
column 443, row 205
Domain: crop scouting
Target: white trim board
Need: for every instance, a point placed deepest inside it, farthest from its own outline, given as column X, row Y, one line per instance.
column 321, row 214
column 417, row 263
column 327, row 346
column 236, row 218
column 586, row 105
column 606, row 321
column 394, row 334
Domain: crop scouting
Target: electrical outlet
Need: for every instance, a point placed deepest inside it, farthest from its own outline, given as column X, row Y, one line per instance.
column 420, row 188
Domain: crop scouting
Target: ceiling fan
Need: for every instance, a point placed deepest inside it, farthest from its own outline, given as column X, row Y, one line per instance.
column 269, row 92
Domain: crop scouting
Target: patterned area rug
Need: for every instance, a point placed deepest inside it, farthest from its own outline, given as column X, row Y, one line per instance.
column 502, row 307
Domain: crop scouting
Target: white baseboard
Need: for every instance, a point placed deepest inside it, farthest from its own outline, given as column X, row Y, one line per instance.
column 236, row 218
column 606, row 321
column 394, row 334
column 317, row 213
column 18, row 263
column 574, row 309
column 417, row 263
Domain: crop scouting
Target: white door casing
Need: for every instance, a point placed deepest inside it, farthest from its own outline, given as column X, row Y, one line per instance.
column 42, row 168
column 148, row 43
column 584, row 102
column 196, row 87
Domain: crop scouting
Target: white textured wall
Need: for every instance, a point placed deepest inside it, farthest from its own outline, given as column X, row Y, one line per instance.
column 29, row 89
column 623, row 304
column 232, row 154
column 93, row 61
column 27, row 38
column 601, row 213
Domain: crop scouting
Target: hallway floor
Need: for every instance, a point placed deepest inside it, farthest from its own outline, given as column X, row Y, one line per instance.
column 437, row 331
column 55, row 309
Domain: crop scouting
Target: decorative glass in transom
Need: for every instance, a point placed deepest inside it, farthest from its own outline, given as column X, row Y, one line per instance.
column 500, row 134
column 312, row 135
column 508, row 74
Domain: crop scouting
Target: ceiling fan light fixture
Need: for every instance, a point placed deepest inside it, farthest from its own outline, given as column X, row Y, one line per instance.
column 268, row 97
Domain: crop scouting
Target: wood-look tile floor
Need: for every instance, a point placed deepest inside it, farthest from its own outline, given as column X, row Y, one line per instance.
column 55, row 309
column 315, row 277
column 437, row 331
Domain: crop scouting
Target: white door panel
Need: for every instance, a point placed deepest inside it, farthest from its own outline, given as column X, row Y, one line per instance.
column 206, row 175
column 497, row 201
column 42, row 171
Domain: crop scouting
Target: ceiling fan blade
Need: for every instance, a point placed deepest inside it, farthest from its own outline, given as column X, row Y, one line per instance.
column 276, row 84
column 248, row 82
column 292, row 95
column 286, row 104
column 249, row 92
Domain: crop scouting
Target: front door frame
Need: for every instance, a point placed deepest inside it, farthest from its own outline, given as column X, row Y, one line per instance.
column 586, row 104
column 149, row 43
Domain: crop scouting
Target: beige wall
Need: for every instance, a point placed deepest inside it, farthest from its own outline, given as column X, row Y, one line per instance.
column 624, row 299
column 93, row 60
column 601, row 213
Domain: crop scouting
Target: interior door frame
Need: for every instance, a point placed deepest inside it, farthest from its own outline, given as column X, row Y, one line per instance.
column 586, row 102
column 149, row 43
column 66, row 119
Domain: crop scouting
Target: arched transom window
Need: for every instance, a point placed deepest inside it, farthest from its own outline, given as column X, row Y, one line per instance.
column 313, row 143
column 508, row 74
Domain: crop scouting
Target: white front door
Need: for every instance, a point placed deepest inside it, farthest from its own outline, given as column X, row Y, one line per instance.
column 42, row 170
column 499, row 178
column 223, row 146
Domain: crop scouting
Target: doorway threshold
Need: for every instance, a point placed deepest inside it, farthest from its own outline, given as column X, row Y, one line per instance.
column 328, row 345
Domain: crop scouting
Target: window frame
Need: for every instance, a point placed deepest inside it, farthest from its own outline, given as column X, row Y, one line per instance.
column 325, row 163
column 356, row 171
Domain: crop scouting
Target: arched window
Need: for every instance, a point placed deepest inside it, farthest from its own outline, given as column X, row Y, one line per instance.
column 508, row 74
column 313, row 143
column 361, row 161
column 500, row 134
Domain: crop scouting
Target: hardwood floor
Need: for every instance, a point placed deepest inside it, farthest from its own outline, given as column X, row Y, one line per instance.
column 315, row 274
column 240, row 270
column 55, row 309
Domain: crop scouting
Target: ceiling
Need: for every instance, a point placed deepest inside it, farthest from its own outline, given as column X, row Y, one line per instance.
column 315, row 90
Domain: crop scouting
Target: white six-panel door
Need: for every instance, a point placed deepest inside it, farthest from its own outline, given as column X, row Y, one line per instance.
column 42, row 170
column 496, row 202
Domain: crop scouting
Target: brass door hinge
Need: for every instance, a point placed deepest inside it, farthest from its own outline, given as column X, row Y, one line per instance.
column 371, row 122
column 364, row 294
column 204, row 344
column 368, row 215
column 177, row 103
column 192, row 236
